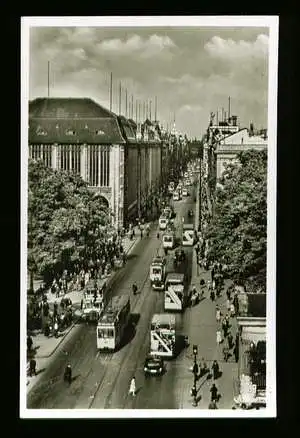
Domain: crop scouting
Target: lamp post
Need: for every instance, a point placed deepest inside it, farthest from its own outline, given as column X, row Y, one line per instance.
column 195, row 372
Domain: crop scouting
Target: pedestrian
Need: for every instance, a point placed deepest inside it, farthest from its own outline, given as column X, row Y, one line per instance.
column 32, row 367
column 134, row 288
column 132, row 387
column 228, row 303
column 225, row 327
column 68, row 374
column 215, row 369
column 236, row 349
column 232, row 310
column 29, row 343
column 212, row 295
column 226, row 353
column 55, row 309
column 219, row 336
column 218, row 314
column 203, row 367
column 230, row 340
column 228, row 294
column 214, row 393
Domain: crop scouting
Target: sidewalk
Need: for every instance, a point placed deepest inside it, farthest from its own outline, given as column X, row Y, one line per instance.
column 202, row 326
column 44, row 346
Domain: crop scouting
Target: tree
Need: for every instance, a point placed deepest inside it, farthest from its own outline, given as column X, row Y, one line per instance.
column 65, row 220
column 238, row 230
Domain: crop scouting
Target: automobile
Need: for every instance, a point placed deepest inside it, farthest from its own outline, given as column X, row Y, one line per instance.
column 154, row 365
column 184, row 192
column 163, row 222
column 176, row 196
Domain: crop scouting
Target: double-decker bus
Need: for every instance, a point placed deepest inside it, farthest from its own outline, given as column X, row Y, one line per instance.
column 163, row 335
column 188, row 235
column 176, row 292
column 113, row 322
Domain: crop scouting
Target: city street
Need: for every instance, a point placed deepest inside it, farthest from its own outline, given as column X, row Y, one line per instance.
column 101, row 380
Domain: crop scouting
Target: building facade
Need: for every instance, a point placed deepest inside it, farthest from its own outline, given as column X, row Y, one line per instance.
column 251, row 385
column 80, row 136
column 228, row 147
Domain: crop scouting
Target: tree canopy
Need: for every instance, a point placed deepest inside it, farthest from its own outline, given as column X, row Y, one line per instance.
column 65, row 220
column 238, row 231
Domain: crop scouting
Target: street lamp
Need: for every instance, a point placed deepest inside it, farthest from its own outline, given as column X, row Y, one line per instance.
column 195, row 372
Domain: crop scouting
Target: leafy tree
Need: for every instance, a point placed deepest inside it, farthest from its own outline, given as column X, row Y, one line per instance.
column 238, row 230
column 65, row 220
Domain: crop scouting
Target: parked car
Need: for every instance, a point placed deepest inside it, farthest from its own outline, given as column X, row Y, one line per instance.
column 154, row 365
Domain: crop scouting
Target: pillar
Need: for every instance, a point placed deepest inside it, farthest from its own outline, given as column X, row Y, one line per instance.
column 83, row 162
column 54, row 156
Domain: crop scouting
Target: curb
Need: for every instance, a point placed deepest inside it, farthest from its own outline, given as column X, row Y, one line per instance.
column 56, row 347
column 74, row 323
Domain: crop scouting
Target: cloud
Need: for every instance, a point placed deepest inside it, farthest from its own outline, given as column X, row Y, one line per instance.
column 190, row 108
column 229, row 49
column 148, row 47
column 191, row 72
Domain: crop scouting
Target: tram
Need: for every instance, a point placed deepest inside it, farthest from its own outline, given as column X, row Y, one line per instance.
column 113, row 322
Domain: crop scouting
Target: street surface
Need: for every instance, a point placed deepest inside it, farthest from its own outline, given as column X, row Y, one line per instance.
column 101, row 380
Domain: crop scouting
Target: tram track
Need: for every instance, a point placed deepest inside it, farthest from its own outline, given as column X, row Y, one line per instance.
column 137, row 303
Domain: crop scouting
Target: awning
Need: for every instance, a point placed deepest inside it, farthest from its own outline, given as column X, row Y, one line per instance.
column 254, row 334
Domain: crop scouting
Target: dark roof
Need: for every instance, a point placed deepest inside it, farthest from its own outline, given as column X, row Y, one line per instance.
column 67, row 108
column 128, row 130
column 73, row 120
column 87, row 130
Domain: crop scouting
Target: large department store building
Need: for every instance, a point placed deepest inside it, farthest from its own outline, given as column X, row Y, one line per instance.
column 120, row 160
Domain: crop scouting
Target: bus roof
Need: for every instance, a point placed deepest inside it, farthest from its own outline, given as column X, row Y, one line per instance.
column 188, row 226
column 175, row 276
column 163, row 318
column 158, row 261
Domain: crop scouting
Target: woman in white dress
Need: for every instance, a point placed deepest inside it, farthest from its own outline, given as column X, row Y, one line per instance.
column 232, row 309
column 132, row 387
column 219, row 336
column 218, row 314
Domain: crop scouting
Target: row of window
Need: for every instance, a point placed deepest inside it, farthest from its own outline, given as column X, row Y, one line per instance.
column 42, row 131
column 69, row 159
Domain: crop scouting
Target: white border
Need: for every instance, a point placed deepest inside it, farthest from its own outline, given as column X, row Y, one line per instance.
column 270, row 22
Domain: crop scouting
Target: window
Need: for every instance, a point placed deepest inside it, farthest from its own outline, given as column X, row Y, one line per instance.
column 70, row 157
column 93, row 165
column 98, row 159
column 70, row 132
column 156, row 270
column 41, row 131
column 105, row 333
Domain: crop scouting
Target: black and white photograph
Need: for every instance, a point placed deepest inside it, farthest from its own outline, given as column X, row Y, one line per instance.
column 148, row 216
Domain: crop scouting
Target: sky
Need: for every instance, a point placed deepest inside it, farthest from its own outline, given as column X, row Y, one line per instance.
column 191, row 70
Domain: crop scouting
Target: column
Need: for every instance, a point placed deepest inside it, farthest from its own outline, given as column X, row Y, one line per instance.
column 83, row 162
column 54, row 156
